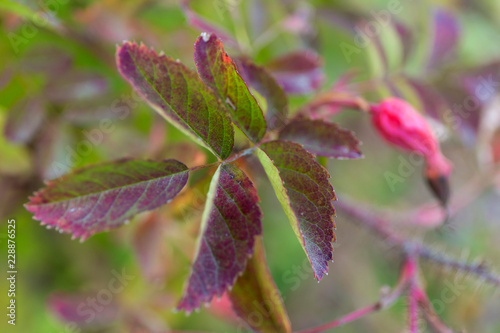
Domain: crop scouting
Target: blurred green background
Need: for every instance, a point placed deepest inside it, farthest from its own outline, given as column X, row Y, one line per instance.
column 58, row 56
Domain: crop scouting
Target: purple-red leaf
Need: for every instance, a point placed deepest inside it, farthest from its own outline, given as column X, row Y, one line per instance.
column 51, row 60
column 322, row 138
column 330, row 103
column 302, row 187
column 433, row 103
column 92, row 111
column 105, row 196
column 74, row 85
column 24, row 120
column 255, row 294
column 446, row 36
column 68, row 308
column 148, row 244
column 53, row 155
column 218, row 71
column 299, row 72
column 406, row 38
column 14, row 190
column 263, row 82
column 231, row 221
column 178, row 95
column 482, row 82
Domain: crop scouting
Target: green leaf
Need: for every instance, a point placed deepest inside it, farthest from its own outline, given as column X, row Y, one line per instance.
column 18, row 8
column 260, row 79
column 219, row 72
column 178, row 95
column 255, row 294
column 105, row 196
column 302, row 187
column 230, row 222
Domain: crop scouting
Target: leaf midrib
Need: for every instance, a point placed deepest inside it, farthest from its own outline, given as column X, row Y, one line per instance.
column 187, row 109
column 115, row 188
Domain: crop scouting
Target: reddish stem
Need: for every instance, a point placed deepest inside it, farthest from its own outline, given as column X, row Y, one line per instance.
column 344, row 320
column 382, row 228
column 430, row 315
column 406, row 274
column 413, row 307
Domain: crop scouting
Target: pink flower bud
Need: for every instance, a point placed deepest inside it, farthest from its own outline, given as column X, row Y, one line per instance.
column 401, row 125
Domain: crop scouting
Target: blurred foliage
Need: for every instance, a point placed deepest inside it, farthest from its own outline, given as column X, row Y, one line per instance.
column 59, row 56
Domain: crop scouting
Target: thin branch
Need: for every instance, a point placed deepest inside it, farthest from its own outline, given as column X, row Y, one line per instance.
column 430, row 315
column 369, row 220
column 407, row 272
column 480, row 270
column 344, row 320
column 431, row 216
column 412, row 307
column 381, row 228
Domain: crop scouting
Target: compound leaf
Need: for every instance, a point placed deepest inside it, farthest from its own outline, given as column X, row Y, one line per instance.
column 302, row 187
column 105, row 196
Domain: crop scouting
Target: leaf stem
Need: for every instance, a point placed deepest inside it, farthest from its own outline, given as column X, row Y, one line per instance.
column 245, row 152
column 231, row 159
